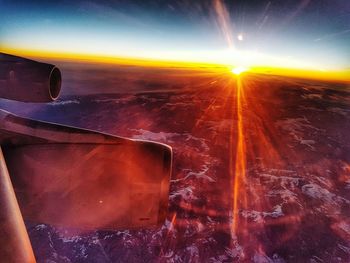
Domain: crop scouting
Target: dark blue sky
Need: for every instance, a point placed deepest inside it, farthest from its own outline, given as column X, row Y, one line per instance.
column 308, row 31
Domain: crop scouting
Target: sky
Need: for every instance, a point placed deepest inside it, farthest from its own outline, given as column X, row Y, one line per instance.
column 297, row 34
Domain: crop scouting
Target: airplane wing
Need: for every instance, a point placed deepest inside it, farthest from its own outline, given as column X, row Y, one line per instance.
column 73, row 177
column 66, row 176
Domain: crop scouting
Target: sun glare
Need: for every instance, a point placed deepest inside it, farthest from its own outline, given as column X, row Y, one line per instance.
column 238, row 70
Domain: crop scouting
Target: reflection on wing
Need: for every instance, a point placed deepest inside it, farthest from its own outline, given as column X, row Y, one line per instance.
column 78, row 178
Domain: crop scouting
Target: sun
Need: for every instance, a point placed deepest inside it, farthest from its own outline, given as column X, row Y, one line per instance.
column 238, row 70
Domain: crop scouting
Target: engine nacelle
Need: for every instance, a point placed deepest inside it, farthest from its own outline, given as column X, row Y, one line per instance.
column 28, row 80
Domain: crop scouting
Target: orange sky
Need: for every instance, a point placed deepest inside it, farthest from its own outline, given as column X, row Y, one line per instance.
column 325, row 75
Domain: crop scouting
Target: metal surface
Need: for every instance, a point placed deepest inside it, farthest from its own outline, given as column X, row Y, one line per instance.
column 79, row 178
column 14, row 241
column 27, row 80
column 67, row 176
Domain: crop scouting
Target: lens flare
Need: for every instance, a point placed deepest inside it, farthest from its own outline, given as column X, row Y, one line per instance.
column 241, row 155
column 223, row 17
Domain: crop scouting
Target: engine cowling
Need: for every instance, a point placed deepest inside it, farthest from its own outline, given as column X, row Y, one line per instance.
column 28, row 80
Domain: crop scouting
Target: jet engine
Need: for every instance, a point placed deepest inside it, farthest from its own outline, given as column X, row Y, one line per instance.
column 27, row 80
column 67, row 176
